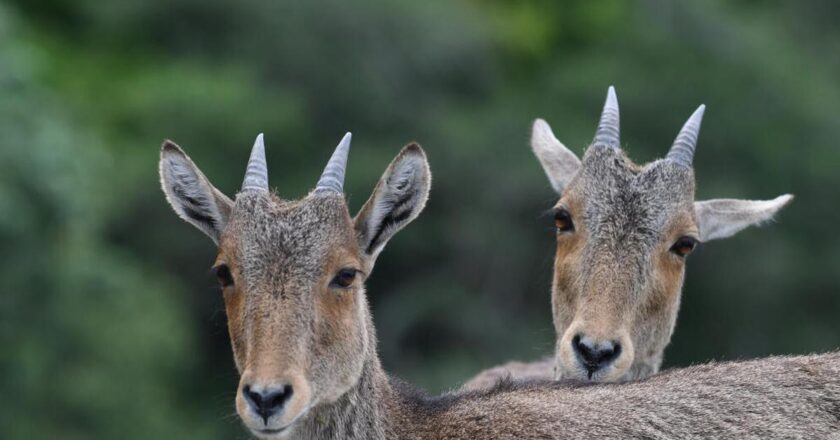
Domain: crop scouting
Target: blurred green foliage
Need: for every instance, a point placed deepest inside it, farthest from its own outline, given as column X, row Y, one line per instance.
column 110, row 323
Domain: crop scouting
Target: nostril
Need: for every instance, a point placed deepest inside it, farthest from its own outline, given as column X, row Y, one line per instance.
column 594, row 355
column 616, row 351
column 278, row 398
column 268, row 401
column 252, row 397
column 583, row 349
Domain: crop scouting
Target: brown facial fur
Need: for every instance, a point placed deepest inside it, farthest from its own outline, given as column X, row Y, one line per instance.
column 617, row 285
column 292, row 275
column 615, row 276
column 567, row 266
column 234, row 303
column 282, row 311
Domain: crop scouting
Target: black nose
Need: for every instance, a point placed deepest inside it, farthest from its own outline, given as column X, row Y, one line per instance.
column 595, row 355
column 267, row 401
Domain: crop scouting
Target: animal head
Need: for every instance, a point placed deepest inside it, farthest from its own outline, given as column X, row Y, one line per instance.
column 624, row 232
column 292, row 275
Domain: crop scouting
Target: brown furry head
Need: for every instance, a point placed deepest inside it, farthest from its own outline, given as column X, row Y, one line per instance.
column 623, row 234
column 292, row 274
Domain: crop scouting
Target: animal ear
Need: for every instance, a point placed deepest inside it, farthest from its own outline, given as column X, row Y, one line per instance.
column 190, row 194
column 721, row 218
column 559, row 163
column 398, row 198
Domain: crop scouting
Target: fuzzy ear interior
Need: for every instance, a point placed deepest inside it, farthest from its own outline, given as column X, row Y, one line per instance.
column 190, row 194
column 721, row 218
column 560, row 163
column 398, row 198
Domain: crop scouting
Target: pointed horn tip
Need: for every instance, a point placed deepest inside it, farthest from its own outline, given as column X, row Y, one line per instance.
column 695, row 119
column 256, row 173
column 345, row 140
column 258, row 150
column 608, row 126
column 332, row 179
column 612, row 99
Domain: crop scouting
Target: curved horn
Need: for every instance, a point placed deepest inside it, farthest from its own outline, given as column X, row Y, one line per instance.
column 256, row 175
column 682, row 152
column 608, row 127
column 332, row 179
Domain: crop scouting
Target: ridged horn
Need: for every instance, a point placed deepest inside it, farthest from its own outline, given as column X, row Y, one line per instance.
column 332, row 179
column 256, row 175
column 682, row 152
column 608, row 128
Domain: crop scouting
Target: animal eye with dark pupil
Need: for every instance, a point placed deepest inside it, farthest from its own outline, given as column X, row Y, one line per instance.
column 563, row 221
column 344, row 278
column 684, row 246
column 223, row 275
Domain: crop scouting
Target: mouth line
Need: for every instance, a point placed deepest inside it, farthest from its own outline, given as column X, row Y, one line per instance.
column 591, row 370
column 586, row 373
column 270, row 431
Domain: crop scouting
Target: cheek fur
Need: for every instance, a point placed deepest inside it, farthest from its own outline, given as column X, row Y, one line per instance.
column 338, row 339
column 666, row 285
column 233, row 309
column 566, row 264
column 335, row 318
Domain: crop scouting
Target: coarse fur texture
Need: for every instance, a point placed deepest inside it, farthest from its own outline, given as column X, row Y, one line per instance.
column 619, row 268
column 290, row 325
column 778, row 397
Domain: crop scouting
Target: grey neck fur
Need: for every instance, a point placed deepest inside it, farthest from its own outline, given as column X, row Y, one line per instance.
column 358, row 414
column 782, row 397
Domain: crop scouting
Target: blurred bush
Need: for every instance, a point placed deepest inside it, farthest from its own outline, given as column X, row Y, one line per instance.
column 111, row 325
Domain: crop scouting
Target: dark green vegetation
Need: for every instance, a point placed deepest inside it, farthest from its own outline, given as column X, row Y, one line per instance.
column 110, row 322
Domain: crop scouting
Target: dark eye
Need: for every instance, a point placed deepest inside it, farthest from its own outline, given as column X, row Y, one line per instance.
column 563, row 221
column 344, row 278
column 684, row 246
column 223, row 275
